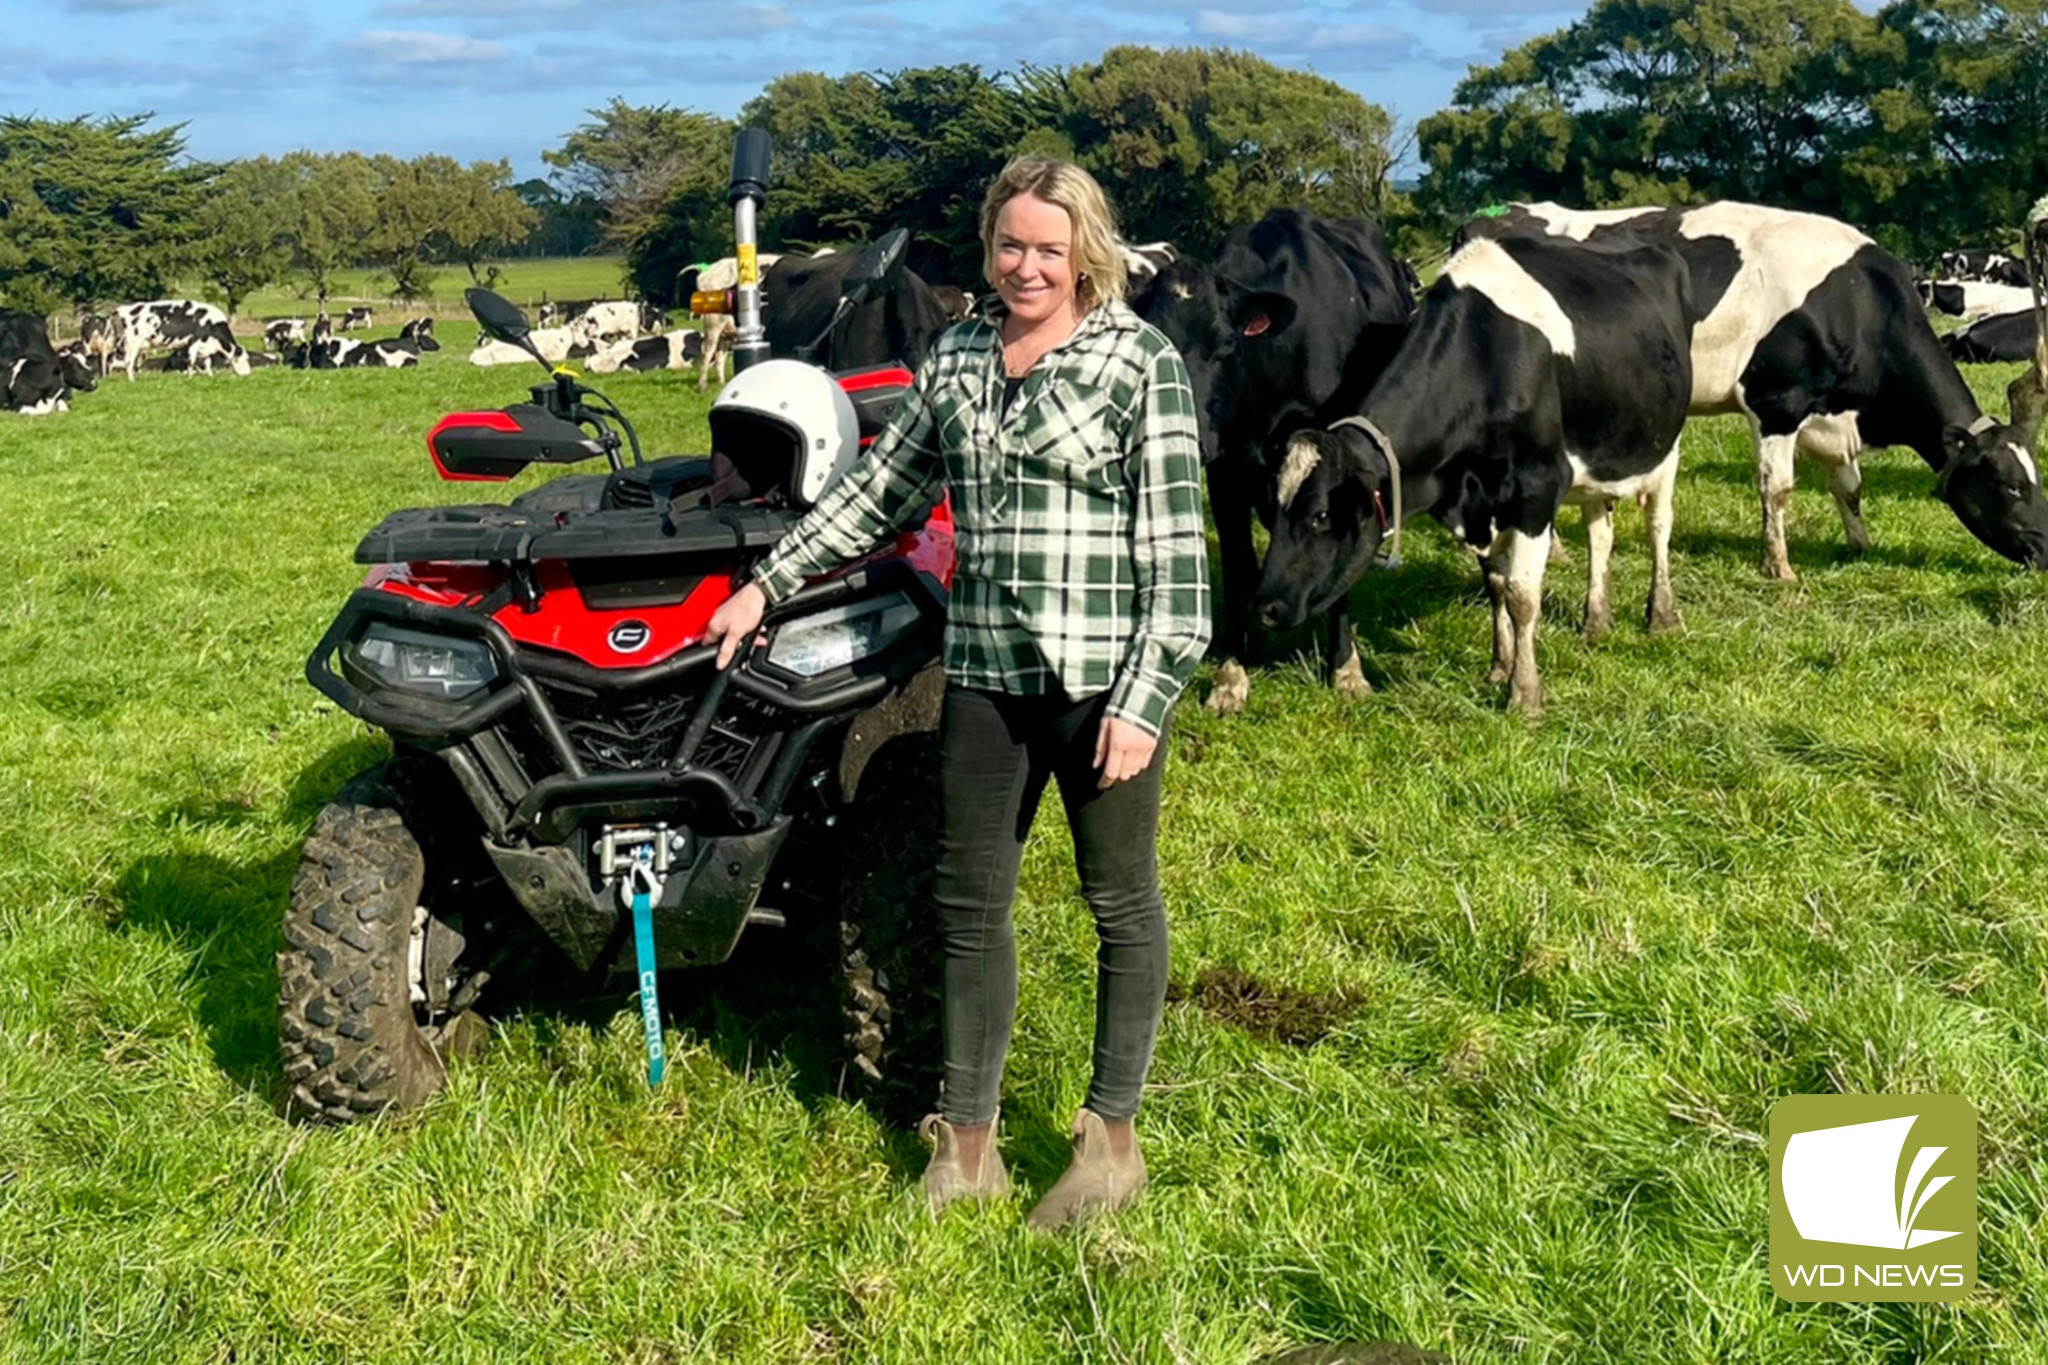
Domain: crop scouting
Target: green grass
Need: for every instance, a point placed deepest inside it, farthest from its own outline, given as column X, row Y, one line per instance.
column 1796, row 848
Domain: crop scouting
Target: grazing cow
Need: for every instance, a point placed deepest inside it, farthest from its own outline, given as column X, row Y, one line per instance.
column 37, row 379
column 957, row 304
column 1812, row 331
column 803, row 293
column 1539, row 372
column 198, row 330
column 1288, row 328
column 96, row 331
column 2003, row 336
column 1989, row 267
column 281, row 333
column 357, row 319
column 556, row 344
column 420, row 332
column 1972, row 299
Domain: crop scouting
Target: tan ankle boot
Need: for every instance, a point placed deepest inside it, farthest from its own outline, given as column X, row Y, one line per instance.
column 947, row 1180
column 1096, row 1181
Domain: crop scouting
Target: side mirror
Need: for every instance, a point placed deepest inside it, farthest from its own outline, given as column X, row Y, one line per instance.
column 877, row 268
column 499, row 318
column 750, row 151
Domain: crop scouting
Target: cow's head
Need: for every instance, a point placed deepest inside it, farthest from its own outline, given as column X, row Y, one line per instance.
column 1225, row 332
column 1993, row 484
column 77, row 370
column 1335, row 501
column 238, row 359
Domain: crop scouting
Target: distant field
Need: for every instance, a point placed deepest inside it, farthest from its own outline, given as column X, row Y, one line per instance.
column 524, row 282
column 1557, row 972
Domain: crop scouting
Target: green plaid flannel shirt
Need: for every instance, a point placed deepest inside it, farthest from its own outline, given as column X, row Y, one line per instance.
column 1082, row 561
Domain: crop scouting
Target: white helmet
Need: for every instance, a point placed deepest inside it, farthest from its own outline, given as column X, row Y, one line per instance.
column 787, row 425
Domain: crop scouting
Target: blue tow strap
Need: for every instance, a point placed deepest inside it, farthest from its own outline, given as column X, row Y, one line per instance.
column 641, row 882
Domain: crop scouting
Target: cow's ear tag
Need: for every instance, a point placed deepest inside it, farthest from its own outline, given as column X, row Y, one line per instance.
column 1257, row 326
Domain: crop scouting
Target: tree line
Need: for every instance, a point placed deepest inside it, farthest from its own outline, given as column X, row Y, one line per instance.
column 1924, row 122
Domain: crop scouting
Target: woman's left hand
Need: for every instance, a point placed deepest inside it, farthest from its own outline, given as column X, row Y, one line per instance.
column 1122, row 751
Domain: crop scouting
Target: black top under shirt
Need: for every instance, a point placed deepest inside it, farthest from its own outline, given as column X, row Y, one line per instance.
column 1010, row 387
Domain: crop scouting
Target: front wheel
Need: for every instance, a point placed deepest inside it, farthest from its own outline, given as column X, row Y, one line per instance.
column 352, row 1041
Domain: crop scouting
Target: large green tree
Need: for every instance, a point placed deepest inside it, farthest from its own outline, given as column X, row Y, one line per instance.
column 329, row 211
column 484, row 217
column 632, row 158
column 1649, row 101
column 243, row 244
column 96, row 210
column 1190, row 142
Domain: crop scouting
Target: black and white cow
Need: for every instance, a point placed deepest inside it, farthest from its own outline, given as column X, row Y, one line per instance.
column 676, row 351
column 1813, row 332
column 956, row 302
column 2003, row 336
column 1973, row 299
column 547, row 315
column 283, row 332
column 556, row 344
column 96, row 331
column 420, row 332
column 357, row 319
column 346, row 353
column 1141, row 263
column 1989, row 267
column 198, row 330
column 653, row 318
column 35, row 378
column 1539, row 372
column 606, row 320
column 1288, row 328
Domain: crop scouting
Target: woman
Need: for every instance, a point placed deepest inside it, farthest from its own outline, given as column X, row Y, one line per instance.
column 1066, row 434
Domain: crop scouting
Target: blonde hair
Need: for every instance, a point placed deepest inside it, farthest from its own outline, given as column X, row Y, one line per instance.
column 1099, row 272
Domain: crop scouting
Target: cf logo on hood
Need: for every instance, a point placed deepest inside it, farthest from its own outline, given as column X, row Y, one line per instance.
column 629, row 637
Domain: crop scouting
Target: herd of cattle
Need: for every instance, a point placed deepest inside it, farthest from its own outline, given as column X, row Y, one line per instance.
column 1555, row 361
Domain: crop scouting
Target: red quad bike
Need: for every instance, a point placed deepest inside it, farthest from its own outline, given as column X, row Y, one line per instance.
column 576, row 791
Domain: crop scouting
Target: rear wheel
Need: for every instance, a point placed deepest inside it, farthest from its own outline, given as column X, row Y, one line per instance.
column 359, row 1027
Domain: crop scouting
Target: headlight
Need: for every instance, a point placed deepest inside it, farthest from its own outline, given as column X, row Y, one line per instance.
column 441, row 666
column 833, row 639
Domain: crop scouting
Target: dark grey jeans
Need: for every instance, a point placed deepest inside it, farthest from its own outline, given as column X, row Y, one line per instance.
column 995, row 754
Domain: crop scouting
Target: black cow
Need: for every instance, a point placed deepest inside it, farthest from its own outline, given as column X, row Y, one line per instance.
column 197, row 331
column 1539, row 372
column 1288, row 328
column 1814, row 333
column 420, row 332
column 957, row 302
column 2003, row 336
column 35, row 377
column 803, row 292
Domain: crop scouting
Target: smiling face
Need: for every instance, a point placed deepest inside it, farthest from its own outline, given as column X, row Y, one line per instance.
column 1034, row 260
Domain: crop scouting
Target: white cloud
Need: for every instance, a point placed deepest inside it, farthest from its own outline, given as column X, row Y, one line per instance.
column 406, row 47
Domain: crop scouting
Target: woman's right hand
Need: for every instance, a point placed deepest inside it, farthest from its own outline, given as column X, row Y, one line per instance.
column 735, row 620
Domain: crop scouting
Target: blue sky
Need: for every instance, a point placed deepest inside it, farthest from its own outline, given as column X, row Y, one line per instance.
column 506, row 78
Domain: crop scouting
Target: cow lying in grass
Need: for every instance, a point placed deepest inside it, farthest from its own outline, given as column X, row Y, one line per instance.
column 1538, row 372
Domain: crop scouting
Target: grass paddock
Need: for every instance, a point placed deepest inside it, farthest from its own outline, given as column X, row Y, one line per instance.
column 1477, row 1021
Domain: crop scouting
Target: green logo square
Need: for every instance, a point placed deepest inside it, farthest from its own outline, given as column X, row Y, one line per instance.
column 1873, row 1198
